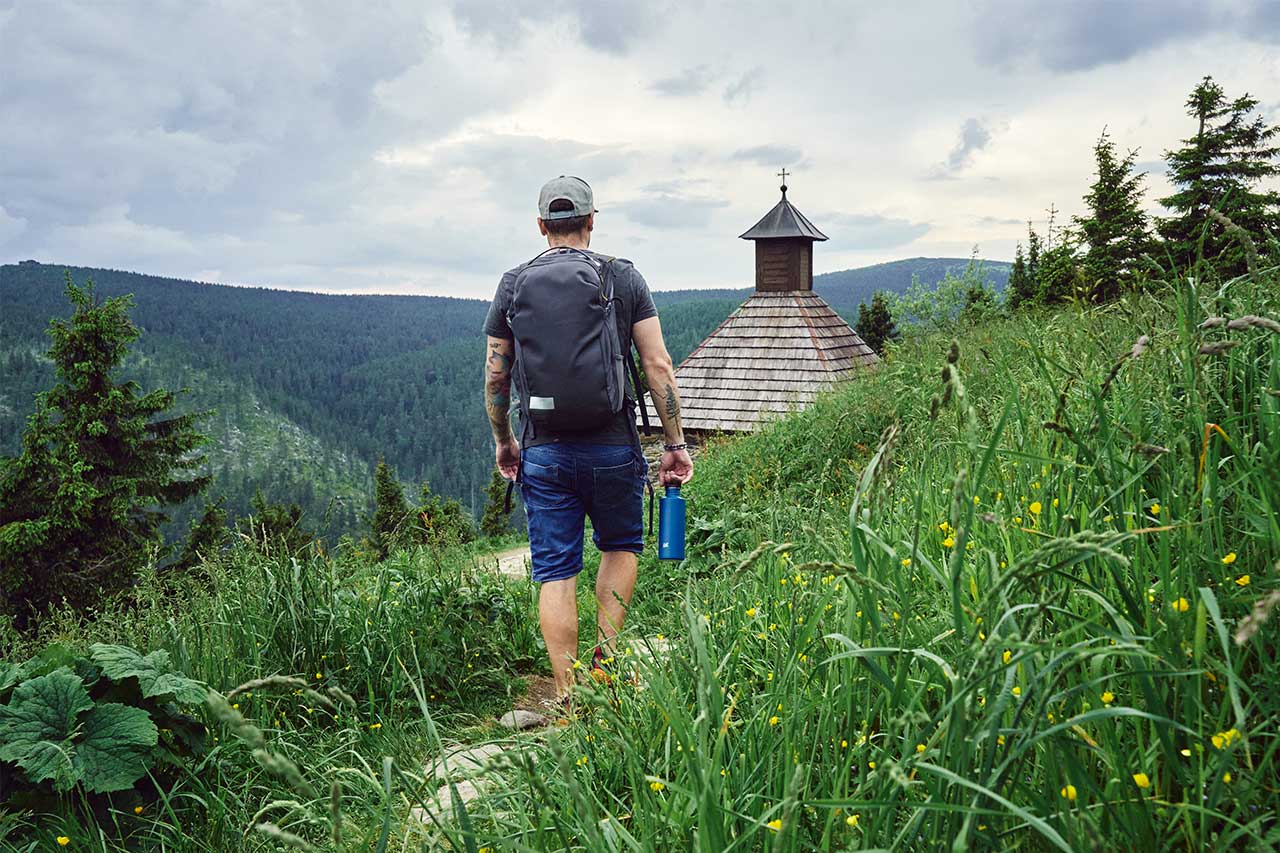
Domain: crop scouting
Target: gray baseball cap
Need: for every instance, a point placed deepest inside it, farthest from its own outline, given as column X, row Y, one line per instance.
column 573, row 190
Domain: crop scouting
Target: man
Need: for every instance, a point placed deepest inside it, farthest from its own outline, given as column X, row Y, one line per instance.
column 598, row 471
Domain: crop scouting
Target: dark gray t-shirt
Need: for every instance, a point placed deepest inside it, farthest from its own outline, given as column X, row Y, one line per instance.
column 634, row 303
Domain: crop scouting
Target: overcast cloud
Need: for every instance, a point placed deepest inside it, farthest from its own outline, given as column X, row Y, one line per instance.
column 398, row 146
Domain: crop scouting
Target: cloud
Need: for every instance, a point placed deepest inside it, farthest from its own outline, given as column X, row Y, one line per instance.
column 691, row 81
column 975, row 135
column 10, row 226
column 866, row 231
column 744, row 86
column 1086, row 34
column 770, row 155
column 667, row 211
column 610, row 26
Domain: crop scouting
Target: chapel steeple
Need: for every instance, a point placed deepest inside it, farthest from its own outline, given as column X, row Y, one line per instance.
column 784, row 241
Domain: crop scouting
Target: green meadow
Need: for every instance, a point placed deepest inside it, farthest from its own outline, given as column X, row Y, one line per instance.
column 1010, row 590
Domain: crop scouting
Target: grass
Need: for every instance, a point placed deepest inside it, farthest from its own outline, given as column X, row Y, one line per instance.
column 995, row 595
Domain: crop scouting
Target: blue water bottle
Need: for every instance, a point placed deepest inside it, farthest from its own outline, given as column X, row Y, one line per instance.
column 671, row 525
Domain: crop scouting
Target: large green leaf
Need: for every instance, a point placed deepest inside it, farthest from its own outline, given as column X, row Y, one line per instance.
column 156, row 675
column 37, row 726
column 115, row 749
column 8, row 675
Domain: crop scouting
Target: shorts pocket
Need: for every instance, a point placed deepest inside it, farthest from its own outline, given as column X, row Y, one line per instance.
column 532, row 472
column 616, row 487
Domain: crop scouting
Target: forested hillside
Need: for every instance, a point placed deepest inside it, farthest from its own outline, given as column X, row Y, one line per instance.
column 309, row 390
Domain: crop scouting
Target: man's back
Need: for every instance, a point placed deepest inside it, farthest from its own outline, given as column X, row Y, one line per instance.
column 632, row 304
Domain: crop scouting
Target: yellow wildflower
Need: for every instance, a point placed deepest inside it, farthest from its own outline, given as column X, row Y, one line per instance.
column 1185, row 753
column 1108, row 697
column 137, row 809
column 906, row 561
column 1035, row 508
column 844, row 744
column 656, row 786
column 1229, row 559
column 1142, row 780
column 1226, row 777
column 871, row 764
column 1000, row 740
column 975, row 500
column 852, row 820
column 920, row 747
column 1155, row 509
column 319, row 675
column 751, row 611
column 1181, row 605
column 1243, row 580
column 775, row 824
column 949, row 542
column 582, row 762
column 773, row 721
column 375, row 726
column 1222, row 740
column 1007, row 656
column 1069, row 791
column 63, row 841
column 1017, row 691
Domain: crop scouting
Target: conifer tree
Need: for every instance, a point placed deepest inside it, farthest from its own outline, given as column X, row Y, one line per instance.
column 82, row 505
column 494, row 520
column 275, row 527
column 1115, row 228
column 1220, row 168
column 444, row 521
column 1020, row 289
column 206, row 538
column 389, row 523
column 875, row 323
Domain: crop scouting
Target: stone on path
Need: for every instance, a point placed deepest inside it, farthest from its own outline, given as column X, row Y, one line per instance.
column 520, row 719
column 464, row 761
column 442, row 805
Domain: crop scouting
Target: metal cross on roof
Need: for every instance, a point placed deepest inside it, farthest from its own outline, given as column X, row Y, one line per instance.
column 783, row 174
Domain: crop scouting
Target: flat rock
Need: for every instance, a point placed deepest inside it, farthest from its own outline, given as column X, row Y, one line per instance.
column 442, row 806
column 463, row 761
column 520, row 719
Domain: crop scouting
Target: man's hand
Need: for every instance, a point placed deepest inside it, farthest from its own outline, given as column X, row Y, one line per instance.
column 508, row 456
column 676, row 468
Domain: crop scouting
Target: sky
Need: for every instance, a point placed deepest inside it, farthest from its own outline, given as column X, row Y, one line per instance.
column 396, row 146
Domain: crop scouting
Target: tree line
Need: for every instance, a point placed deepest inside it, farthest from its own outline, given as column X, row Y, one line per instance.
column 1115, row 247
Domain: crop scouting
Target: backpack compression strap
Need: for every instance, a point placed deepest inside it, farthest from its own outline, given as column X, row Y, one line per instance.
column 607, row 274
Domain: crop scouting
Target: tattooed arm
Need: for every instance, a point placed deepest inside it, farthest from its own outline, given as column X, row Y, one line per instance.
column 677, row 467
column 497, row 402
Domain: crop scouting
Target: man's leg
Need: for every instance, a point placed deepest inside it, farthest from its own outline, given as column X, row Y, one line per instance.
column 558, row 613
column 615, row 583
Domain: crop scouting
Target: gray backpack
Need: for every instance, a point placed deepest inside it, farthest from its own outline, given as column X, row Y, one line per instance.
column 569, row 368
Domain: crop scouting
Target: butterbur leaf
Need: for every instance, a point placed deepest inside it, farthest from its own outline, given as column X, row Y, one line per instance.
column 114, row 751
column 156, row 675
column 8, row 675
column 51, row 657
column 37, row 726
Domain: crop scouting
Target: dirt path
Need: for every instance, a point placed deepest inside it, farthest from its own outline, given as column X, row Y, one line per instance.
column 513, row 563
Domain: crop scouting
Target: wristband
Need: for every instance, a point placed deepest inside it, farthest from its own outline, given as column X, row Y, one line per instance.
column 674, row 447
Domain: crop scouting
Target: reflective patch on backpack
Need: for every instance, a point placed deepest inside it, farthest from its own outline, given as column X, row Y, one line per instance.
column 542, row 404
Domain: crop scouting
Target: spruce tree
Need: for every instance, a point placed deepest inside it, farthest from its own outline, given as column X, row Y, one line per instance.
column 388, row 526
column 875, row 323
column 275, row 527
column 207, row 537
column 1115, row 228
column 495, row 518
column 81, row 506
column 444, row 521
column 1020, row 289
column 1219, row 168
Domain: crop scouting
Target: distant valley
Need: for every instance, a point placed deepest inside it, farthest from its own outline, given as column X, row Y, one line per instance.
column 308, row 390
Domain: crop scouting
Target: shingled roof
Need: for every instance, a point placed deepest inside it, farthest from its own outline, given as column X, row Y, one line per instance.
column 784, row 220
column 772, row 355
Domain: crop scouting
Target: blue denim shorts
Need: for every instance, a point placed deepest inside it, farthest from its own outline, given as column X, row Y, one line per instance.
column 562, row 484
